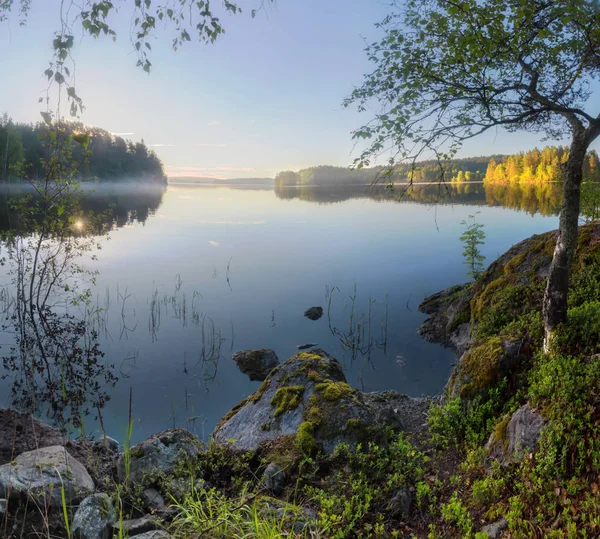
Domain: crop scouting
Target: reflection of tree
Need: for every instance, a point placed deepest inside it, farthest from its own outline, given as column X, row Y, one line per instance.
column 531, row 198
column 54, row 360
column 128, row 202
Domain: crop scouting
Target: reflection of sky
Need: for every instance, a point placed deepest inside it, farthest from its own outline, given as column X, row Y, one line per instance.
column 266, row 97
column 276, row 270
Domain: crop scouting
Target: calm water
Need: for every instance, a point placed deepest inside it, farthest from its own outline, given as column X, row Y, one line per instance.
column 203, row 271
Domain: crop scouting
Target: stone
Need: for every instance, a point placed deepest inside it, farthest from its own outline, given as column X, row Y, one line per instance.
column 514, row 439
column 401, row 503
column 40, row 474
column 495, row 530
column 20, row 433
column 154, row 534
column 314, row 313
column 94, row 518
column 158, row 455
column 154, row 501
column 179, row 487
column 292, row 516
column 257, row 364
column 106, row 443
column 136, row 526
column 310, row 390
column 274, row 479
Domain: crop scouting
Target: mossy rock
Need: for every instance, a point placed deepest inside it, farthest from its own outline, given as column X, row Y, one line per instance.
column 309, row 399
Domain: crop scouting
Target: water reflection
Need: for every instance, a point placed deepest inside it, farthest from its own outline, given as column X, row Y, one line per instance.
column 543, row 199
column 124, row 203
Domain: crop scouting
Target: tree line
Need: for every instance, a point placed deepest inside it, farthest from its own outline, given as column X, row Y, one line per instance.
column 24, row 152
column 539, row 166
column 457, row 170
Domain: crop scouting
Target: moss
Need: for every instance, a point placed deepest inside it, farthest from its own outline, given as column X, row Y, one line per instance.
column 479, row 368
column 307, row 356
column 334, row 391
column 266, row 426
column 501, row 431
column 314, row 376
column 305, row 439
column 314, row 413
column 287, row 398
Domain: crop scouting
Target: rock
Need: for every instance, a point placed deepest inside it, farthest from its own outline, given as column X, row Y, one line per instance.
column 179, row 488
column 106, row 443
column 40, row 474
column 494, row 531
column 314, row 313
column 257, row 364
column 154, row 501
column 94, row 518
column 136, row 526
column 401, row 503
column 515, row 437
column 293, row 517
column 483, row 366
column 3, row 504
column 154, row 534
column 274, row 479
column 309, row 393
column 20, row 433
column 449, row 320
column 306, row 346
column 158, row 455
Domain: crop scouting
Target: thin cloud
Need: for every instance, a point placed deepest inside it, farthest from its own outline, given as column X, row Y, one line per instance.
column 214, row 243
column 204, row 145
column 122, row 134
column 161, row 145
column 214, row 123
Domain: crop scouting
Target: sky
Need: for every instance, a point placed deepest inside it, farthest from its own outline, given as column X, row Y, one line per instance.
column 266, row 97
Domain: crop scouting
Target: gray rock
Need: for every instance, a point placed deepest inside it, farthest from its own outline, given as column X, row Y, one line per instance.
column 94, row 518
column 257, row 364
column 449, row 320
column 154, row 534
column 306, row 346
column 494, row 531
column 20, row 433
column 314, row 313
column 40, row 474
column 136, row 526
column 154, row 501
column 106, row 443
column 179, row 488
column 519, row 438
column 158, row 455
column 292, row 516
column 401, row 503
column 338, row 412
column 274, row 478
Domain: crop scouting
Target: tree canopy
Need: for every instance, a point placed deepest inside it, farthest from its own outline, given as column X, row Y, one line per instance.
column 447, row 71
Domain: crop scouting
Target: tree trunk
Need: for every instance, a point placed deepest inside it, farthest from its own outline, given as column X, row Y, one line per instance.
column 557, row 286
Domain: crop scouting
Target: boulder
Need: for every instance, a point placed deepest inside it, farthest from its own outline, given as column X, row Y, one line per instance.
column 495, row 530
column 314, row 313
column 307, row 397
column 94, row 518
column 154, row 534
column 401, row 503
column 136, row 526
column 153, row 501
column 158, row 455
column 20, row 433
column 274, row 478
column 107, row 444
column 257, row 364
column 516, row 436
column 41, row 474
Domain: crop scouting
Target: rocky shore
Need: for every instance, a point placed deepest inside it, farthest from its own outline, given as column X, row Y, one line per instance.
column 513, row 440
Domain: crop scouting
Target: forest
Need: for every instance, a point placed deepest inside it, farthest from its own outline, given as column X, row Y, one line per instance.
column 24, row 150
column 538, row 166
column 458, row 170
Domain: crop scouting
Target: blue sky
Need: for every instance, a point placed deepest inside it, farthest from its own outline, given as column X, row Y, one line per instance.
column 266, row 97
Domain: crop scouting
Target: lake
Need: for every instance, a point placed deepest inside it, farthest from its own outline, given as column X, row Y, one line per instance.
column 194, row 273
